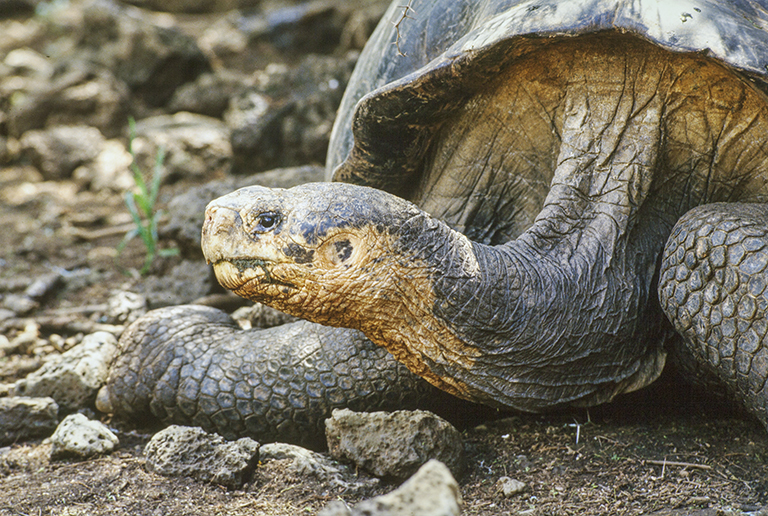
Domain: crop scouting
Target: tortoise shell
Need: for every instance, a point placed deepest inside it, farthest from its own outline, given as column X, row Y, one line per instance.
column 424, row 65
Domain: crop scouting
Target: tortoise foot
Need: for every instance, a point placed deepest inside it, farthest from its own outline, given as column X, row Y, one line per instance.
column 714, row 288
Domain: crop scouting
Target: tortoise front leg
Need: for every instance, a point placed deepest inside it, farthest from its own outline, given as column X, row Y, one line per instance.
column 714, row 289
column 192, row 365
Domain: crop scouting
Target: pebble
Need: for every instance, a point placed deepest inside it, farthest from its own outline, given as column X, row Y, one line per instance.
column 23, row 418
column 43, row 285
column 187, row 281
column 80, row 437
column 151, row 59
column 182, row 451
column 394, row 444
column 303, row 462
column 23, row 342
column 124, row 307
column 57, row 151
column 510, row 487
column 431, row 491
column 74, row 377
column 108, row 170
column 19, row 304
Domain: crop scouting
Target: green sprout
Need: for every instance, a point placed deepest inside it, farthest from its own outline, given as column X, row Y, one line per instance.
column 141, row 205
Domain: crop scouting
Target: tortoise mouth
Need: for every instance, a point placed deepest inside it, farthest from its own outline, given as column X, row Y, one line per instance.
column 247, row 274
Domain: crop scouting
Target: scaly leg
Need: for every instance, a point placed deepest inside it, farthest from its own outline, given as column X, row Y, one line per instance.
column 714, row 289
column 192, row 365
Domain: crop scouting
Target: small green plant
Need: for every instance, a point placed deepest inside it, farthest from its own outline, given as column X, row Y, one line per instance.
column 141, row 205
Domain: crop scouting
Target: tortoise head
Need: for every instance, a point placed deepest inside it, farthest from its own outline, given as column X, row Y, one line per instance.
column 309, row 250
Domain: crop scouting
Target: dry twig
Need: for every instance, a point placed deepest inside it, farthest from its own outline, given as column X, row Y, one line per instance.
column 406, row 9
column 670, row 463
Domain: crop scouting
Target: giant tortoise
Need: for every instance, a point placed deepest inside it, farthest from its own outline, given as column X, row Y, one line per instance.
column 534, row 204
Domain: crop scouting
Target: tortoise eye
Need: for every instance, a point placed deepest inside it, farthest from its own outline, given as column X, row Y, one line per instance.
column 266, row 221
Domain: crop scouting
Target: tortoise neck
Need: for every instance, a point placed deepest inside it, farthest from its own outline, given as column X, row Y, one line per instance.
column 469, row 317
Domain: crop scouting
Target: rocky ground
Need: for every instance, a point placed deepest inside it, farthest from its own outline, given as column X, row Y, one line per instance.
column 239, row 92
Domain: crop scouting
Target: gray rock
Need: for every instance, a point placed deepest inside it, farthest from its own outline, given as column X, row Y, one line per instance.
column 185, row 282
column 510, row 487
column 80, row 93
column 393, row 444
column 30, row 457
column 77, row 436
column 124, row 307
column 286, row 118
column 227, row 42
column 303, row 462
column 336, row 508
column 5, row 151
column 74, row 377
column 187, row 451
column 253, row 39
column 196, row 146
column 186, row 212
column 209, row 94
column 56, row 152
column 312, row 27
column 23, row 418
column 361, row 22
column 5, row 345
column 27, row 63
column 153, row 60
column 23, row 70
column 24, row 342
column 432, row 491
column 44, row 285
column 109, row 170
column 315, row 26
column 19, row 304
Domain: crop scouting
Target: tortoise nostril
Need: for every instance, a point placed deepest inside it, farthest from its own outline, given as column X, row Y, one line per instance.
column 210, row 214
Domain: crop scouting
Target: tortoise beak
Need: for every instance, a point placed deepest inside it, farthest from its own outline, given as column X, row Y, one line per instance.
column 233, row 275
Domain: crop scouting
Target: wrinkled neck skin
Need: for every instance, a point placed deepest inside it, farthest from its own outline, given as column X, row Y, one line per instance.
column 510, row 325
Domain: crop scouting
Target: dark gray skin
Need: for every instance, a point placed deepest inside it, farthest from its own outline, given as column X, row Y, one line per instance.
column 552, row 182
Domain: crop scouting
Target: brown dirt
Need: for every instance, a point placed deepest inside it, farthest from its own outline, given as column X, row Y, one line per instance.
column 668, row 449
